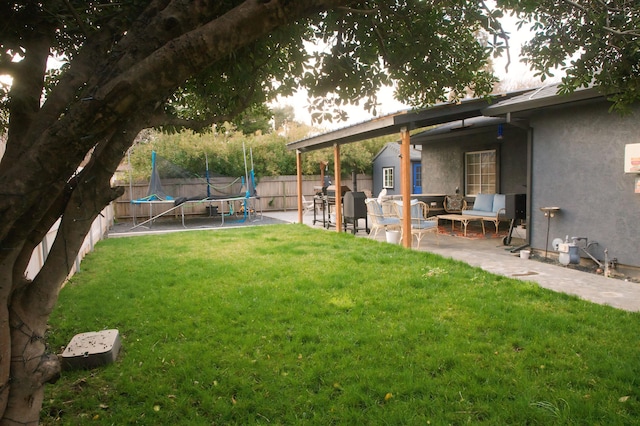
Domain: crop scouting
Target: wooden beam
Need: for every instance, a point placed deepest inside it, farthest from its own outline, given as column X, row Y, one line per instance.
column 338, row 173
column 299, row 184
column 405, row 186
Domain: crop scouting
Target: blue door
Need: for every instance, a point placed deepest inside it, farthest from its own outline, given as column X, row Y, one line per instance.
column 416, row 174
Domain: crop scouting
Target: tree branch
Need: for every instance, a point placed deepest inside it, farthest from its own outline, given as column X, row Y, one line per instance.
column 501, row 33
column 167, row 120
column 358, row 11
column 79, row 21
column 576, row 5
column 633, row 33
column 8, row 68
column 608, row 8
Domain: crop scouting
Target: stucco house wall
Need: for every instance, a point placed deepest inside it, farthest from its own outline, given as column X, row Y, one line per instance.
column 443, row 161
column 578, row 165
column 442, row 168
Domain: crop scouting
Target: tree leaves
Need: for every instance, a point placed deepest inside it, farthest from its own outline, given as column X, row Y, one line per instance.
column 593, row 43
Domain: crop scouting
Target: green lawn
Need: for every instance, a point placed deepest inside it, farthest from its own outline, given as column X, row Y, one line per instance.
column 286, row 325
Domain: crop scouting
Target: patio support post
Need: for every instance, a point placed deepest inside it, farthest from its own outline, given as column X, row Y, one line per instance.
column 299, row 183
column 338, row 172
column 405, row 186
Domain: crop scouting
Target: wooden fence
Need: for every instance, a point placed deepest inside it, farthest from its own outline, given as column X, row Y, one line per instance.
column 274, row 193
column 97, row 232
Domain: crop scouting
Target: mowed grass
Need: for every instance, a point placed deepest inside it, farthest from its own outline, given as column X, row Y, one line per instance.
column 285, row 325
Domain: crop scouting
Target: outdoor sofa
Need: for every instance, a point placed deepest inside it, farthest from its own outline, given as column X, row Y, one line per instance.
column 489, row 207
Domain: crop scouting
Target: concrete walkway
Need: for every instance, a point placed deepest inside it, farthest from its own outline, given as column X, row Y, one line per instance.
column 494, row 257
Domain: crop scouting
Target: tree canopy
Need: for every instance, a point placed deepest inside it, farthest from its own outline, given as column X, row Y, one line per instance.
column 592, row 42
column 175, row 64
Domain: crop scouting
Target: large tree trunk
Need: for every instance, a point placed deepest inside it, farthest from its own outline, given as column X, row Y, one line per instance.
column 32, row 304
column 106, row 97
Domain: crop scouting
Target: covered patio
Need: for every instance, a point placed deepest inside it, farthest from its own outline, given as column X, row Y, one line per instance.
column 402, row 123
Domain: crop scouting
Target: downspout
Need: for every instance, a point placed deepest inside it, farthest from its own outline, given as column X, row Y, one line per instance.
column 526, row 127
column 529, row 182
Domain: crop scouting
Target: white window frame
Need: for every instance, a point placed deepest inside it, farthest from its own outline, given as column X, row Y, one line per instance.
column 388, row 178
column 481, row 172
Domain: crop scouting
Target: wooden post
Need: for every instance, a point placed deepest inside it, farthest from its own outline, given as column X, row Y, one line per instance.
column 299, row 183
column 338, row 172
column 405, row 186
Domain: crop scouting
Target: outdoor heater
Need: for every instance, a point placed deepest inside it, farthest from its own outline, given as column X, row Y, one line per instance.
column 515, row 209
column 354, row 208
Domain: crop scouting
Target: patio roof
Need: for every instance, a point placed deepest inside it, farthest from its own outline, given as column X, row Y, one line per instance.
column 455, row 129
column 543, row 97
column 409, row 119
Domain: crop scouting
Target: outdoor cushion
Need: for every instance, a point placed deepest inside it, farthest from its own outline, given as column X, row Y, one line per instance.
column 400, row 203
column 454, row 203
column 499, row 202
column 389, row 221
column 377, row 209
column 484, row 202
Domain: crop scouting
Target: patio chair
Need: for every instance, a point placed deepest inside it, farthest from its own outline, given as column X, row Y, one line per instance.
column 421, row 223
column 378, row 219
column 307, row 205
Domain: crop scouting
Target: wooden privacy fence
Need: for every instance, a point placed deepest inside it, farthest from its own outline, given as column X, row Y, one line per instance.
column 97, row 232
column 274, row 193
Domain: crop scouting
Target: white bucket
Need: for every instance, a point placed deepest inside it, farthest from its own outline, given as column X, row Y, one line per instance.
column 393, row 237
column 524, row 254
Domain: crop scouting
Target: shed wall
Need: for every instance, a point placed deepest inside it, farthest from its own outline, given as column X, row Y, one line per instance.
column 386, row 158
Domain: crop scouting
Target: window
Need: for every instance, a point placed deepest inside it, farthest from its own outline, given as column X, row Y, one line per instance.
column 387, row 177
column 480, row 169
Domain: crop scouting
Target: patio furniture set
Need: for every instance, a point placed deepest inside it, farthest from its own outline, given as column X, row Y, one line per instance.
column 487, row 207
column 384, row 214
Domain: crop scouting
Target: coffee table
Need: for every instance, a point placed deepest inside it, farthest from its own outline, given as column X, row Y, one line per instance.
column 464, row 220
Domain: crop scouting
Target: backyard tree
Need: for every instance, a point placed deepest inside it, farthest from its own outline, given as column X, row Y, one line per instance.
column 593, row 42
column 127, row 66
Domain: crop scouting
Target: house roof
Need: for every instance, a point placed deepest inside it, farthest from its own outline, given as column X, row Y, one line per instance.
column 393, row 123
column 457, row 128
column 416, row 154
column 542, row 97
column 450, row 114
